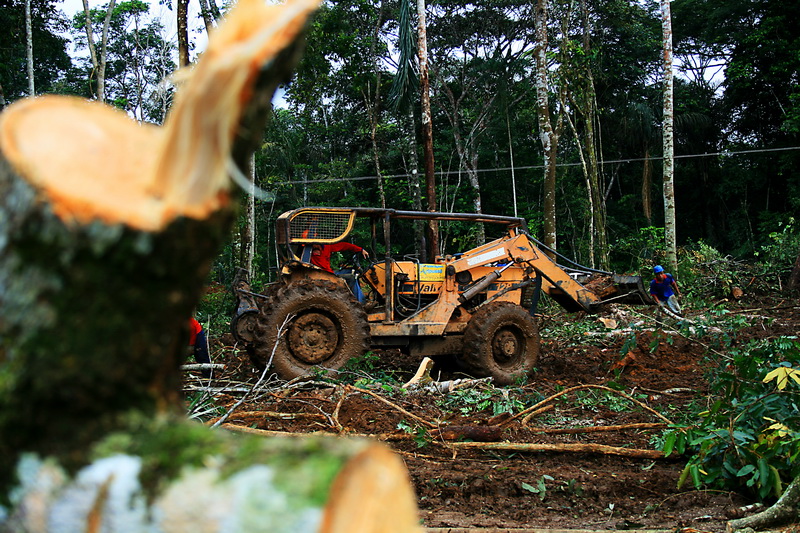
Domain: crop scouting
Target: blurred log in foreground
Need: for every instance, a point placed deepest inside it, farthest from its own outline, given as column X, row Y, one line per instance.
column 107, row 232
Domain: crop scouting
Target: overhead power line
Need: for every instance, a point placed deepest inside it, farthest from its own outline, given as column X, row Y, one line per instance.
column 725, row 153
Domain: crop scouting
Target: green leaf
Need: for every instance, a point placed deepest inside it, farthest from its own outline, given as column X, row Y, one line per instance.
column 530, row 488
column 684, row 476
column 669, row 443
column 777, row 485
column 695, row 472
column 763, row 472
column 745, row 470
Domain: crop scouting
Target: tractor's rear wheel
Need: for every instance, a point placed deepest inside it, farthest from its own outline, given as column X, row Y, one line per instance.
column 310, row 324
column 501, row 341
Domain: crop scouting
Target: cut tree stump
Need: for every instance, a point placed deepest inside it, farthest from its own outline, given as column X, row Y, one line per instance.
column 108, row 229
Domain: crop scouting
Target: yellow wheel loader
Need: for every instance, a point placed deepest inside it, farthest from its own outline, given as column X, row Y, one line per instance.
column 477, row 305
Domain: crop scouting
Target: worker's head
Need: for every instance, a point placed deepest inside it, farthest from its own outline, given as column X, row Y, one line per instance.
column 658, row 270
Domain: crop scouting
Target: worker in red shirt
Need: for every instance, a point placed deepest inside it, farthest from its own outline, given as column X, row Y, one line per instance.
column 321, row 253
column 198, row 344
column 321, row 257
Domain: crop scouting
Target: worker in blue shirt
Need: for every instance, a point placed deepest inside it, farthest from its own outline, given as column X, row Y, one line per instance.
column 664, row 290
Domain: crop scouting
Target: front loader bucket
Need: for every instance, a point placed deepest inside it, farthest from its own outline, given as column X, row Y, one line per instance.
column 615, row 288
column 631, row 290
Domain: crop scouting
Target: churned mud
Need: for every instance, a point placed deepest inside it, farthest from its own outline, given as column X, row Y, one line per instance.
column 561, row 489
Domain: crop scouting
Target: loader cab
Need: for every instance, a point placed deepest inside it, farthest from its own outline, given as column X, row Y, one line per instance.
column 298, row 231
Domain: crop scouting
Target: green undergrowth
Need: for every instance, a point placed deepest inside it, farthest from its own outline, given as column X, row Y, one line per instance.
column 747, row 435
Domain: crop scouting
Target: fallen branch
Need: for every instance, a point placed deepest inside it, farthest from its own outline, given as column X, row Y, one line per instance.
column 600, row 429
column 261, row 378
column 203, row 366
column 474, row 433
column 335, row 416
column 559, row 448
column 672, row 391
column 279, row 415
column 271, row 433
column 395, row 406
column 535, row 413
column 777, row 308
column 394, row 436
column 664, row 325
column 583, row 387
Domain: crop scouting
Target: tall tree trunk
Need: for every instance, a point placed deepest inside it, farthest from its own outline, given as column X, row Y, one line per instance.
column 669, row 160
column 88, row 28
column 794, row 277
column 29, row 47
column 427, row 128
column 589, row 113
column 98, row 59
column 589, row 194
column 547, row 135
column 511, row 158
column 101, row 70
column 248, row 234
column 106, row 243
column 373, row 105
column 596, row 190
column 647, row 183
column 182, row 14
column 414, row 189
column 467, row 148
column 208, row 17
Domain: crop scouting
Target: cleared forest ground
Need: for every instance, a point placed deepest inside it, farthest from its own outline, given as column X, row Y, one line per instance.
column 614, row 485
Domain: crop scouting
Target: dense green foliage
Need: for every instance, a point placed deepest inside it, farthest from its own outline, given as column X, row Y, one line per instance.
column 50, row 55
column 138, row 59
column 748, row 437
column 339, row 127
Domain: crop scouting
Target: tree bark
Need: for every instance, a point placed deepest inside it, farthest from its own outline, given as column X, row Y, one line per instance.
column 427, row 129
column 467, row 148
column 794, row 277
column 372, row 101
column 105, row 245
column 182, row 14
column 669, row 142
column 208, row 18
column 90, row 36
column 247, row 245
column 563, row 447
column 781, row 512
column 29, row 47
column 98, row 60
column 101, row 69
column 547, row 135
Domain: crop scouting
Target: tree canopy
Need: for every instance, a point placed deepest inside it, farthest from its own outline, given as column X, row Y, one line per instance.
column 339, row 138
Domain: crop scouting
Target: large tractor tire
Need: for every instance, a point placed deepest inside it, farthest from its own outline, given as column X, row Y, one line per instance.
column 501, row 341
column 311, row 324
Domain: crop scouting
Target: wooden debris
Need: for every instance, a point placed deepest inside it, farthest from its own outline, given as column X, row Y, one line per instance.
column 600, row 429
column 423, row 374
column 559, row 448
column 203, row 366
column 544, row 402
column 473, row 433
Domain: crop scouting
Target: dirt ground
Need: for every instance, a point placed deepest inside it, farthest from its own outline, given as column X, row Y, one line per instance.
column 496, row 489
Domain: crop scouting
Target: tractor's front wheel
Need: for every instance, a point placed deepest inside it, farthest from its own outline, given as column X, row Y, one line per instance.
column 311, row 324
column 501, row 341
